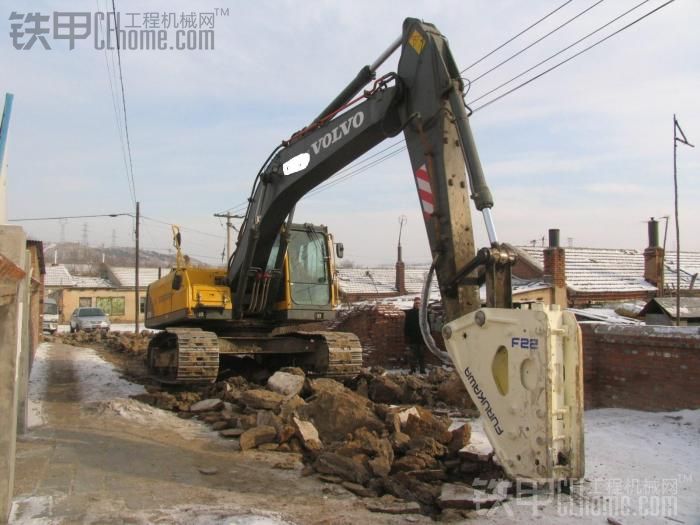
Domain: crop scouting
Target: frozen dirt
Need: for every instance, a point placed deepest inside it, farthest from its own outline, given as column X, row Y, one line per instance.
column 94, row 455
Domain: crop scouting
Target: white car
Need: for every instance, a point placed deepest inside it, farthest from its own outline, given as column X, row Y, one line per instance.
column 89, row 319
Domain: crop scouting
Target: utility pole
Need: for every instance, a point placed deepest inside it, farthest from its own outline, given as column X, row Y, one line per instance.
column 676, row 140
column 229, row 227
column 136, row 284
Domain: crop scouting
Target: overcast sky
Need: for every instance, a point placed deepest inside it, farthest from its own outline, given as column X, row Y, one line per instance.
column 588, row 148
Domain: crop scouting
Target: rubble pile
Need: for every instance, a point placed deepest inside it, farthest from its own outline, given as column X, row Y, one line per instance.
column 441, row 390
column 123, row 342
column 377, row 441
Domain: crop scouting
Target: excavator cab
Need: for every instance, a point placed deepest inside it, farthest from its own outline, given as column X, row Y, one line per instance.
column 306, row 289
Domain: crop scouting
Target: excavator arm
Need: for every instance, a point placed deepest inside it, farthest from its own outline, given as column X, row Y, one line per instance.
column 522, row 368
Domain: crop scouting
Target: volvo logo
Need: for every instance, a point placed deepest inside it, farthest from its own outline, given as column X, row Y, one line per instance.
column 338, row 132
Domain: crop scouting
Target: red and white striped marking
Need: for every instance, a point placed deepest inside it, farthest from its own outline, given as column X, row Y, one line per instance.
column 425, row 192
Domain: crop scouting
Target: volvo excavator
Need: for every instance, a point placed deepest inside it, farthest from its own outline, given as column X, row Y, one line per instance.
column 521, row 367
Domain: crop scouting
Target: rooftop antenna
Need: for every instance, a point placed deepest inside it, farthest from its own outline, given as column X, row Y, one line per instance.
column 63, row 222
column 402, row 222
column 683, row 140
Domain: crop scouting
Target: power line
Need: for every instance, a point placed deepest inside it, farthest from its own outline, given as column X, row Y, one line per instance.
column 71, row 217
column 500, row 64
column 355, row 165
column 486, row 104
column 184, row 228
column 348, row 176
column 558, row 52
column 121, row 82
column 516, row 36
column 113, row 97
column 333, row 181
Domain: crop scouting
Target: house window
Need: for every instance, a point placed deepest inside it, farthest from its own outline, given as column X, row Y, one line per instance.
column 111, row 305
column 85, row 302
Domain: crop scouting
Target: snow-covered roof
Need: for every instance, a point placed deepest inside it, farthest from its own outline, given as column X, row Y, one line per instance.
column 690, row 307
column 125, row 276
column 58, row 275
column 91, row 282
column 383, row 280
column 600, row 269
column 605, row 315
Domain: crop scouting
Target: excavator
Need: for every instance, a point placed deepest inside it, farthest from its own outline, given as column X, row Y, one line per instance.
column 521, row 367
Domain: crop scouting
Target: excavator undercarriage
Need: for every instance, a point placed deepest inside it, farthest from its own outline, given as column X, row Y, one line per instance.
column 181, row 355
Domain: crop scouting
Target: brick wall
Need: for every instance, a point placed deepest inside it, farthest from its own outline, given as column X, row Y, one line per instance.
column 638, row 367
column 380, row 329
column 641, row 367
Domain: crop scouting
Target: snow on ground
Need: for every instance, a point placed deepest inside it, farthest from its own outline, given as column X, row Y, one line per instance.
column 645, row 462
column 641, row 467
column 97, row 379
column 141, row 413
column 115, row 327
column 32, row 509
column 192, row 514
column 104, row 393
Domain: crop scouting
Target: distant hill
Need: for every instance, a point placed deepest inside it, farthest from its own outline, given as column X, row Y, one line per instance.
column 76, row 254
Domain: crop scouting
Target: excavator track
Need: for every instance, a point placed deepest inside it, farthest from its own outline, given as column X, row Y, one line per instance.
column 344, row 360
column 184, row 355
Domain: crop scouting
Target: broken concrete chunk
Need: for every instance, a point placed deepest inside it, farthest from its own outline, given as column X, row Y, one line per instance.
column 325, row 384
column 380, row 466
column 268, row 418
column 460, row 438
column 393, row 506
column 262, row 399
column 231, row 432
column 289, row 408
column 459, row 496
column 285, row 383
column 403, row 415
column 247, row 421
column 256, row 436
column 408, row 463
column 406, row 487
column 307, row 434
column 427, row 425
column 207, row 405
column 453, row 392
column 337, row 414
column 359, row 490
column 337, row 465
column 427, row 445
column 329, row 478
column 477, row 450
column 399, row 441
column 383, row 390
column 220, row 425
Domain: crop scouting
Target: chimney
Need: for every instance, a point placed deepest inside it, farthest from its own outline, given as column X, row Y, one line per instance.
column 400, row 274
column 555, row 268
column 654, row 258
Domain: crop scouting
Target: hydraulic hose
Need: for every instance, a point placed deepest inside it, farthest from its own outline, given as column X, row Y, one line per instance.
column 423, row 320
